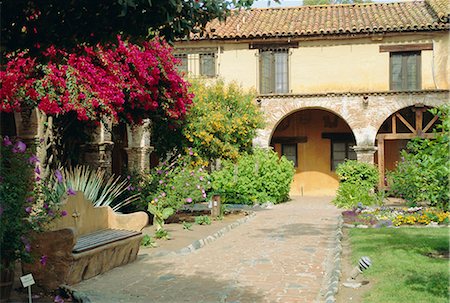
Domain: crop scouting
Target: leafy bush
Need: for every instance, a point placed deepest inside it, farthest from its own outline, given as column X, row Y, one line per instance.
column 222, row 121
column 259, row 177
column 202, row 220
column 147, row 241
column 424, row 171
column 357, row 181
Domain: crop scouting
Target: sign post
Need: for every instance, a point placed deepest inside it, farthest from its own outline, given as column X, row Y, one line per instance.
column 27, row 281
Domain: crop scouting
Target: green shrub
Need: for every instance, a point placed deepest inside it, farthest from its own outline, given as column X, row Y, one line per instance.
column 202, row 220
column 147, row 241
column 222, row 121
column 259, row 177
column 423, row 173
column 357, row 181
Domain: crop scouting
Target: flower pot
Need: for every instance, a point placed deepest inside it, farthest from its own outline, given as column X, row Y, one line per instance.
column 6, row 283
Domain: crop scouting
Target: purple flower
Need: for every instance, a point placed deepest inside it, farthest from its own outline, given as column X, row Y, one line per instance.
column 160, row 181
column 30, row 199
column 128, row 177
column 27, row 247
column 58, row 176
column 51, row 213
column 19, row 147
column 33, row 159
column 204, row 195
column 71, row 192
column 156, row 200
column 43, row 260
column 63, row 213
column 159, row 171
column 28, row 209
column 6, row 141
column 58, row 299
column 188, row 200
column 163, row 194
column 45, row 206
column 37, row 179
column 191, row 153
column 200, row 178
column 37, row 170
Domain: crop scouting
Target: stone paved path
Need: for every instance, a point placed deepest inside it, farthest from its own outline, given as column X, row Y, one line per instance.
column 277, row 256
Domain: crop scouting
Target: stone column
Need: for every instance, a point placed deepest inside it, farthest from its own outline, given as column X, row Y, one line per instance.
column 98, row 152
column 139, row 147
column 365, row 153
column 27, row 126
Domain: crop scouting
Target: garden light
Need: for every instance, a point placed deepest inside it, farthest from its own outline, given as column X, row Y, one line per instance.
column 363, row 264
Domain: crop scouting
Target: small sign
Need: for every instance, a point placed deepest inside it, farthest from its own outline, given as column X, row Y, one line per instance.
column 27, row 280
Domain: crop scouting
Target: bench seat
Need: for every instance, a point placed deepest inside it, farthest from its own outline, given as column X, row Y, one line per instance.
column 102, row 237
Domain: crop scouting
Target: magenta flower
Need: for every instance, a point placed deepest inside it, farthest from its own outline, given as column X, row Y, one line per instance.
column 33, row 159
column 71, row 192
column 19, row 147
column 58, row 299
column 188, row 200
column 51, row 213
column 58, row 176
column 30, row 199
column 37, row 170
column 201, row 178
column 37, row 179
column 43, row 260
column 6, row 141
column 45, row 206
column 28, row 209
column 63, row 213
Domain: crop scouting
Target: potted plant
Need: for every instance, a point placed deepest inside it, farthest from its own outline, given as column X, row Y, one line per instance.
column 16, row 185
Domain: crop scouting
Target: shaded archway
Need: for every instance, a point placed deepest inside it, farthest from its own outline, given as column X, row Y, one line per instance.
column 316, row 140
column 397, row 130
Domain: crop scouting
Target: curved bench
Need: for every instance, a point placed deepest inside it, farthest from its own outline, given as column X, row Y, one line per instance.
column 85, row 243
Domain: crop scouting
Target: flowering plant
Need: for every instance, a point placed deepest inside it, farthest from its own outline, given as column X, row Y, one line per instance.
column 177, row 182
column 21, row 209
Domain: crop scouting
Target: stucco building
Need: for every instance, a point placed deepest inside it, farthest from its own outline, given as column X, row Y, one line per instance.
column 334, row 82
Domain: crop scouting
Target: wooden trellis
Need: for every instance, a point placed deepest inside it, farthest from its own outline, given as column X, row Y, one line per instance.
column 418, row 130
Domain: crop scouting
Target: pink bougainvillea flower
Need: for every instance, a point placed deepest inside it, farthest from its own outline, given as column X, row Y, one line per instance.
column 58, row 176
column 71, row 192
column 6, row 141
column 43, row 260
column 19, row 147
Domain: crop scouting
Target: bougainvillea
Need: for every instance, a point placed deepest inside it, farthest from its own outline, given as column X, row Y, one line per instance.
column 121, row 81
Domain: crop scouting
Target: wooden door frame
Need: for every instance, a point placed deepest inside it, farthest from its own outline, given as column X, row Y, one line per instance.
column 416, row 132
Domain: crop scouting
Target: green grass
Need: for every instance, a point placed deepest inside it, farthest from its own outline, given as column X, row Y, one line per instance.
column 401, row 271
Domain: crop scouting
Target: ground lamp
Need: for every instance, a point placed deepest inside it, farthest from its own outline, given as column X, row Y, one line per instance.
column 363, row 264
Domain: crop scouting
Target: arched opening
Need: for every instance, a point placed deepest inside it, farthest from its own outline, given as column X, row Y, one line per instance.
column 119, row 153
column 316, row 141
column 395, row 133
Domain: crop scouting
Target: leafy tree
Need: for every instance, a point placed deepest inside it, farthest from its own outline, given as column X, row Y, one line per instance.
column 424, row 171
column 222, row 121
column 331, row 2
column 39, row 24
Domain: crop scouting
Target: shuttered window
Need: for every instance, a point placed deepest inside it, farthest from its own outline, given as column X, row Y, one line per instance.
column 290, row 152
column 405, row 71
column 274, row 76
column 208, row 65
column 341, row 151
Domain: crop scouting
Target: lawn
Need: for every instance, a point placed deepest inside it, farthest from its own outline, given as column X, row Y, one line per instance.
column 402, row 269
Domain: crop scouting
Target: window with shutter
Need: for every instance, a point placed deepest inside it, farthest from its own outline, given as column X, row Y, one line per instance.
column 274, row 75
column 405, row 71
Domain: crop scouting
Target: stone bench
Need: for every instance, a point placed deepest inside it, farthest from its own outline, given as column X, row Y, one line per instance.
column 85, row 243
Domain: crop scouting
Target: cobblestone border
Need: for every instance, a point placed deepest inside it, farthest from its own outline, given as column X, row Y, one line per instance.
column 207, row 240
column 333, row 266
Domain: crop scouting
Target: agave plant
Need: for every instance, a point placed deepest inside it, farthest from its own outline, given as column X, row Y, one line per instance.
column 98, row 187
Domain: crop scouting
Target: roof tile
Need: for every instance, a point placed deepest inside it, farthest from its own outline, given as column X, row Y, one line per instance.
column 330, row 20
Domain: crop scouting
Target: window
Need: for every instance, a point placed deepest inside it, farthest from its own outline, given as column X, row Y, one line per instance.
column 341, row 151
column 208, row 65
column 183, row 65
column 405, row 71
column 290, row 152
column 274, row 71
column 199, row 62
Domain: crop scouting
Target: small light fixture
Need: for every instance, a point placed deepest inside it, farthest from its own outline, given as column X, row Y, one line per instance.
column 363, row 264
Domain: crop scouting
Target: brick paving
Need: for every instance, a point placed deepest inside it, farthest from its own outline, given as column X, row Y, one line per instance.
column 277, row 256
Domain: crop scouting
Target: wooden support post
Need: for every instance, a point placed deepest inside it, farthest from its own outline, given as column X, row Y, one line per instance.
column 381, row 161
column 394, row 124
column 216, row 205
column 419, row 121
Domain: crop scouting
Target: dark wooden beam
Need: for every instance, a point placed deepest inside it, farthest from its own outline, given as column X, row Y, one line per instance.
column 406, row 47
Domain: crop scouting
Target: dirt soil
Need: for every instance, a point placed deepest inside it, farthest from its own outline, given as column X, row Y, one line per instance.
column 346, row 295
column 180, row 238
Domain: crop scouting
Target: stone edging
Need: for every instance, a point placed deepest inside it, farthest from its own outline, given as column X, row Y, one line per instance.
column 333, row 266
column 207, row 240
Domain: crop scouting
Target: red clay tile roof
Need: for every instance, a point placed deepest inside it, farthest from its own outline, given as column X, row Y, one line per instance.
column 416, row 16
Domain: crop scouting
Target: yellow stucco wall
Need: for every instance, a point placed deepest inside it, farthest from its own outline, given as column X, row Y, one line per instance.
column 313, row 175
column 351, row 65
